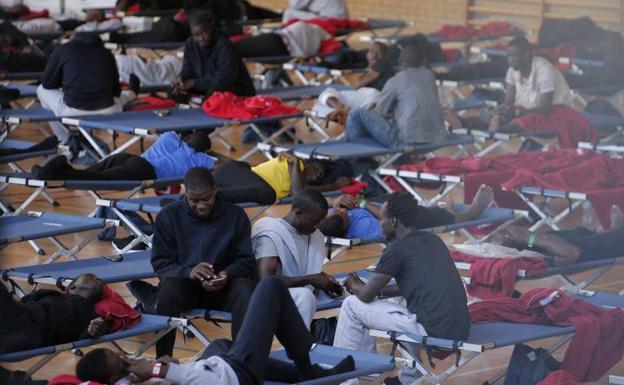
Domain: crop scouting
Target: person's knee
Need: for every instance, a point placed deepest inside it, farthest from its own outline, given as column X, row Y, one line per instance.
column 168, row 298
column 350, row 304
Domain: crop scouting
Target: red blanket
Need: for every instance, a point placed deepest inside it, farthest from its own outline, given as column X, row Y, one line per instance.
column 226, row 105
column 598, row 343
column 113, row 309
column 600, row 177
column 560, row 377
column 460, row 32
column 495, row 277
column 332, row 25
column 150, row 103
column 570, row 125
column 355, row 188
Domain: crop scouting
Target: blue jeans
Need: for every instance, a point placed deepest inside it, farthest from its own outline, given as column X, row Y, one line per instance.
column 365, row 124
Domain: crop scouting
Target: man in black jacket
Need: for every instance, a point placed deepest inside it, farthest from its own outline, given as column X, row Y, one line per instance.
column 202, row 254
column 210, row 62
column 50, row 317
column 81, row 78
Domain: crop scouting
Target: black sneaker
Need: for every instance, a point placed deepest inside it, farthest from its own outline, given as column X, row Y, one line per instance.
column 392, row 381
column 146, row 294
column 120, row 244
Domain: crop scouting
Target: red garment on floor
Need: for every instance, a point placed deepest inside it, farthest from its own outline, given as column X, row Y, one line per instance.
column 68, row 379
column 570, row 125
column 559, row 377
column 113, row 309
column 226, row 105
column 495, row 277
column 147, row 102
column 43, row 14
column 598, row 342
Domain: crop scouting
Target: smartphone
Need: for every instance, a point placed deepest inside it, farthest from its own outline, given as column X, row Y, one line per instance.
column 217, row 280
column 114, row 258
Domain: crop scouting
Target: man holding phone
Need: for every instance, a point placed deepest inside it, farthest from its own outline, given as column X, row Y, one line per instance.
column 201, row 251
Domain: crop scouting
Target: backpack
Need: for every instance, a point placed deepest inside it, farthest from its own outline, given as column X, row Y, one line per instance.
column 529, row 366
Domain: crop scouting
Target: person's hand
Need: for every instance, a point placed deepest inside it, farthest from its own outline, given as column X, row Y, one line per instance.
column 345, row 201
column 327, row 284
column 353, row 283
column 203, row 271
column 289, row 156
column 217, row 283
column 167, row 360
column 343, row 181
column 97, row 327
column 140, row 369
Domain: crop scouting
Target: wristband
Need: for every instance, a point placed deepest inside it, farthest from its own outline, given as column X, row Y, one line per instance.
column 531, row 240
column 156, row 370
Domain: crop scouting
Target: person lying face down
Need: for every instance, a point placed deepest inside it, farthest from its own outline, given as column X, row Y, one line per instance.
column 566, row 247
column 361, row 220
column 49, row 317
column 242, row 362
column 169, row 157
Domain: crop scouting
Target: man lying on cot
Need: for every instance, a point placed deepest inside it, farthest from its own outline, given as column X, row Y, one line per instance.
column 360, row 220
column 537, row 97
column 567, row 247
column 49, row 317
column 80, row 79
column 18, row 54
column 296, row 40
column 245, row 361
column 170, row 156
column 428, row 298
column 293, row 249
column 316, row 9
column 210, row 62
column 407, row 111
column 369, row 84
column 278, row 178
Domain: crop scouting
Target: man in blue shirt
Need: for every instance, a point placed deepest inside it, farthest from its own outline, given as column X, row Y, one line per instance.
column 347, row 220
column 169, row 157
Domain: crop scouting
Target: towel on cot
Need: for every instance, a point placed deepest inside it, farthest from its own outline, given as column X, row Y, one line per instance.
column 570, row 125
column 113, row 309
column 597, row 175
column 226, row 105
column 495, row 277
column 598, row 342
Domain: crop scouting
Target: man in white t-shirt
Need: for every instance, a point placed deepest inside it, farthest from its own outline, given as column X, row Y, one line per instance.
column 534, row 86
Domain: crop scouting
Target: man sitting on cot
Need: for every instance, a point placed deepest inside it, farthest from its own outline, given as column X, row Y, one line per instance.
column 81, row 78
column 361, row 220
column 537, row 97
column 293, row 249
column 428, row 298
column 407, row 111
column 567, row 247
column 170, row 156
column 316, row 9
column 245, row 361
column 369, row 83
column 275, row 179
column 211, row 63
column 50, row 317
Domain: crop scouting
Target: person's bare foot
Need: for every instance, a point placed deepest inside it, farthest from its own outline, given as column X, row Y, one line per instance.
column 617, row 217
column 482, row 199
column 589, row 219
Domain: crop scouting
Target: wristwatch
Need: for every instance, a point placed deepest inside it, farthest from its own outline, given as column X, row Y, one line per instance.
column 156, row 370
